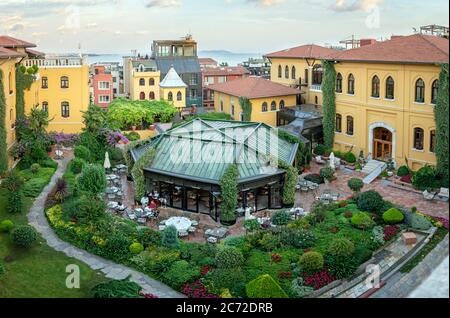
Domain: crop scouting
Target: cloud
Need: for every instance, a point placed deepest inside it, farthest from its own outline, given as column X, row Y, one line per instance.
column 266, row 3
column 164, row 3
column 357, row 5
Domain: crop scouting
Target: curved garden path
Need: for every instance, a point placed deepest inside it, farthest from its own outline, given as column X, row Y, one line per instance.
column 37, row 219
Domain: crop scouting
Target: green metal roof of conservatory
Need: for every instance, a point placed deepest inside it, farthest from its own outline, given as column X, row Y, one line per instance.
column 202, row 150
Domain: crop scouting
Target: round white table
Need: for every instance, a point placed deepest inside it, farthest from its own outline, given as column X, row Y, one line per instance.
column 182, row 224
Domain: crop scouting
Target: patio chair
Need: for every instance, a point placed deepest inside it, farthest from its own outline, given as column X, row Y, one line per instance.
column 142, row 220
column 319, row 160
column 192, row 229
column 443, row 195
column 428, row 195
column 194, row 223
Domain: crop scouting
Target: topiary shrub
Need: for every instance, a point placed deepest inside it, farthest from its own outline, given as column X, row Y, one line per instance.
column 136, row 248
column 341, row 247
column 170, row 237
column 35, row 168
column 116, row 289
column 370, row 201
column 24, row 236
column 349, row 157
column 355, row 184
column 327, row 173
column 82, row 152
column 362, row 221
column 403, row 171
column 6, row 226
column 311, row 262
column 263, row 287
column 280, row 218
column 92, row 179
column 77, row 164
column 229, row 257
column 425, row 179
column 418, row 222
column 393, row 216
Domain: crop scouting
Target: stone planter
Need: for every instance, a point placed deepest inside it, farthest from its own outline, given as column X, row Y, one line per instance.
column 288, row 205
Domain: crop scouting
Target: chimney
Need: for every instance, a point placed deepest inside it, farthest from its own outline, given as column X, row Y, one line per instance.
column 365, row 42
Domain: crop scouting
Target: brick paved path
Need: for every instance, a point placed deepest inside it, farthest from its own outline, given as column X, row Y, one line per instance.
column 37, row 219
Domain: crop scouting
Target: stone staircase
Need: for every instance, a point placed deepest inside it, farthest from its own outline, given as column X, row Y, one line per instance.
column 373, row 169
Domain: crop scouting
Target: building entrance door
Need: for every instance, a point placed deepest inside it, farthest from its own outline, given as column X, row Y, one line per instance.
column 382, row 144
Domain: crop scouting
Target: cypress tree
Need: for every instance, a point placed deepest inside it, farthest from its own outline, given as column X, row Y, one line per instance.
column 441, row 114
column 329, row 103
column 3, row 150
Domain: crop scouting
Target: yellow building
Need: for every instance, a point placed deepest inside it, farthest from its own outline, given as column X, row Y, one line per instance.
column 385, row 95
column 266, row 97
column 143, row 79
column 173, row 89
column 61, row 88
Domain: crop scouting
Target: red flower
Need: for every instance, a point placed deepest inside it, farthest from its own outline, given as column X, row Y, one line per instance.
column 390, row 231
column 318, row 280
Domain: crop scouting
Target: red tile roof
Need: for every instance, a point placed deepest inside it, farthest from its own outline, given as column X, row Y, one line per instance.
column 254, row 87
column 224, row 71
column 35, row 53
column 417, row 48
column 207, row 60
column 304, row 51
column 7, row 53
column 7, row 41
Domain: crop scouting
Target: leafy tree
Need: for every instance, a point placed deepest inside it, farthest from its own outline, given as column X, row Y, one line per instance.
column 94, row 119
column 92, row 179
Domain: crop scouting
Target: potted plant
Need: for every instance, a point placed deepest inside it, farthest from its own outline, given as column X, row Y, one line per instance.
column 152, row 127
column 133, row 128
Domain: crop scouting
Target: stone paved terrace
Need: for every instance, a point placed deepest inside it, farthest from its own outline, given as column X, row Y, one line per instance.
column 398, row 196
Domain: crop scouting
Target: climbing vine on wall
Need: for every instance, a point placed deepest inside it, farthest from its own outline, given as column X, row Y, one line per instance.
column 3, row 152
column 229, row 187
column 138, row 171
column 23, row 81
column 329, row 103
column 246, row 106
column 290, row 182
column 442, row 127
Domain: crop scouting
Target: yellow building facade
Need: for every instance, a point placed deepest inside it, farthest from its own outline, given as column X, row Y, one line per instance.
column 393, row 123
column 144, row 79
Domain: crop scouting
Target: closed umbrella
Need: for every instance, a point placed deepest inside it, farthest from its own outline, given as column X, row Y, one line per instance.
column 107, row 164
column 332, row 161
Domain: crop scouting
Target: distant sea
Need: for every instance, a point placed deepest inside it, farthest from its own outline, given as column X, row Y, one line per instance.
column 233, row 59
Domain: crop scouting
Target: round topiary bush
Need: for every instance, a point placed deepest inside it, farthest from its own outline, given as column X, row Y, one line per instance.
column 35, row 168
column 341, row 247
column 311, row 262
column 355, row 184
column 403, row 171
column 6, row 226
column 77, row 164
column 136, row 248
column 393, row 216
column 24, row 236
column 264, row 286
column 82, row 152
column 229, row 257
column 362, row 221
column 280, row 218
column 349, row 157
column 370, row 201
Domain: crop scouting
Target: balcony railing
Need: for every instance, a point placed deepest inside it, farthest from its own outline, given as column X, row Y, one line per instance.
column 316, row 87
column 56, row 62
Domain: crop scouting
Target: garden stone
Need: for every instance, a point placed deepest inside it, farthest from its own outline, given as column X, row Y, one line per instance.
column 409, row 238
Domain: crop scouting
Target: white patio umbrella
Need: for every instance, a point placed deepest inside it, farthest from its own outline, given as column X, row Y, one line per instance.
column 332, row 161
column 107, row 164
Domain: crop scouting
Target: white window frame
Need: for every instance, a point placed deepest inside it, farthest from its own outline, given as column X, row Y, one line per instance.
column 108, row 86
column 104, row 98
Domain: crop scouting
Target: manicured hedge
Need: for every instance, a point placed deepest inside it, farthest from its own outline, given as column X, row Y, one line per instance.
column 264, row 287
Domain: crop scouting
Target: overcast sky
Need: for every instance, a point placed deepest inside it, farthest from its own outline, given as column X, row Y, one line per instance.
column 247, row 26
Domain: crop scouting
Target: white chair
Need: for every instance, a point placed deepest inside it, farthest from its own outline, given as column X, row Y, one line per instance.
column 192, row 229
column 428, row 195
column 183, row 234
column 443, row 194
column 319, row 160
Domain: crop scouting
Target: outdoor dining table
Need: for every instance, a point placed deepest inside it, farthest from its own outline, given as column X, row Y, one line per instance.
column 182, row 224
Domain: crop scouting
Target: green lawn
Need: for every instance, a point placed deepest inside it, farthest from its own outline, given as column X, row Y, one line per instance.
column 39, row 271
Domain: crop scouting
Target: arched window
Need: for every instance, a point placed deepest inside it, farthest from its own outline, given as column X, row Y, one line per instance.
column 170, row 96
column 338, row 123
column 151, row 82
column 434, row 91
column 141, row 68
column 293, row 73
column 432, row 140
column 64, row 82
column 306, row 76
column 264, row 107
column 317, row 74
column 273, row 106
column 420, row 91
column 45, row 106
column 351, row 85
column 45, row 82
column 280, row 71
column 286, row 72
column 142, row 96
column 179, row 96
column 65, row 109
column 390, row 88
column 338, row 83
column 152, row 95
column 375, row 86
column 281, row 104
column 350, row 125
column 142, row 82
column 418, row 138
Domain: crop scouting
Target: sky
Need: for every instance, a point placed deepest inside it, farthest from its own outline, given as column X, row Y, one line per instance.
column 245, row 26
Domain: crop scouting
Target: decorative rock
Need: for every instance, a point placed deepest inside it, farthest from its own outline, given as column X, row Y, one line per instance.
column 409, row 238
column 212, row 240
